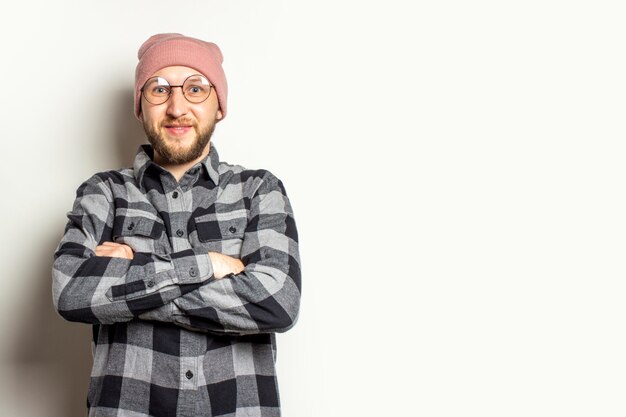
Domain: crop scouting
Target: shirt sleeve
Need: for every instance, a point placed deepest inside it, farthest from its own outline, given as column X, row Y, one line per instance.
column 265, row 297
column 96, row 289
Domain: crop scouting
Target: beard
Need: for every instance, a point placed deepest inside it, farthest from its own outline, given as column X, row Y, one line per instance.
column 177, row 156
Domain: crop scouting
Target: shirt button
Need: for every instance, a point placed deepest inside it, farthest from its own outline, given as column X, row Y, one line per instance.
column 232, row 229
column 192, row 272
column 175, row 194
column 150, row 284
column 131, row 226
column 189, row 374
column 180, row 233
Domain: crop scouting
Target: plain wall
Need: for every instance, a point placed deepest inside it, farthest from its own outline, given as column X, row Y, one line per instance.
column 456, row 171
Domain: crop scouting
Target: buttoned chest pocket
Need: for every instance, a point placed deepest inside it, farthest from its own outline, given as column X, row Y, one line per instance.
column 221, row 235
column 141, row 233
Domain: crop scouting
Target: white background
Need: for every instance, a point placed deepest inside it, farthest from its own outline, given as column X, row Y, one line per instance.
column 456, row 170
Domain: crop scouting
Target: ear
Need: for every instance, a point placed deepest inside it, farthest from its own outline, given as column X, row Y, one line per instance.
column 219, row 115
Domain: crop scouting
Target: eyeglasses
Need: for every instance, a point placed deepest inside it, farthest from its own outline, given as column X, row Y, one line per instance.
column 196, row 88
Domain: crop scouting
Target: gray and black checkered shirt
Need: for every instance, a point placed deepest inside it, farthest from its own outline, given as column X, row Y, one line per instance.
column 169, row 339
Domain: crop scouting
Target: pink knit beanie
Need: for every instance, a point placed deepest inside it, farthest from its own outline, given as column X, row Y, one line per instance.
column 169, row 49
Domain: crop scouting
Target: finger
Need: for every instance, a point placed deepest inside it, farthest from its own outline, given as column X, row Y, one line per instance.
column 110, row 244
column 107, row 248
column 112, row 254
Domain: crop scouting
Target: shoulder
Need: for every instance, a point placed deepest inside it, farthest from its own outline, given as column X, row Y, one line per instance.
column 104, row 182
column 252, row 180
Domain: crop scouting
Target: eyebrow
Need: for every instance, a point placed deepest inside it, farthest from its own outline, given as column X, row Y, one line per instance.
column 194, row 77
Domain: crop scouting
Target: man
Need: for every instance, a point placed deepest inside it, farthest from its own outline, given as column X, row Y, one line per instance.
column 185, row 265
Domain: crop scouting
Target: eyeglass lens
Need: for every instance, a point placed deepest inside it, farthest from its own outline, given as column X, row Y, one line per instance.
column 196, row 89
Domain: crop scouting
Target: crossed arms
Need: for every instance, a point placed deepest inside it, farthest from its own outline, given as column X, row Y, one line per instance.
column 98, row 281
column 222, row 264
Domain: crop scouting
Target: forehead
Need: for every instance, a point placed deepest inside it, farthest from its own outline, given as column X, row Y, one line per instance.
column 175, row 74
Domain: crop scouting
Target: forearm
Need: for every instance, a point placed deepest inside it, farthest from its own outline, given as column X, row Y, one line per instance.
column 222, row 265
column 240, row 304
column 220, row 306
column 95, row 289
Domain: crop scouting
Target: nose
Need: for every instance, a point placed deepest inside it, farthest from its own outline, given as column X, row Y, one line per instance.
column 177, row 105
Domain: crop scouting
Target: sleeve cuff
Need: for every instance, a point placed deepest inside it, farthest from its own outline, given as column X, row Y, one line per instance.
column 193, row 266
column 190, row 266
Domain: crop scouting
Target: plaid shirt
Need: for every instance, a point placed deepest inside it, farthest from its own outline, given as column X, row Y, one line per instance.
column 169, row 339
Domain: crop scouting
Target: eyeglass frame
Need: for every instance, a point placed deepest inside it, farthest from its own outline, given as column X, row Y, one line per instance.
column 171, row 87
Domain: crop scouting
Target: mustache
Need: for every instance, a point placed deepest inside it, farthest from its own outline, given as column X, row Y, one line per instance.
column 178, row 122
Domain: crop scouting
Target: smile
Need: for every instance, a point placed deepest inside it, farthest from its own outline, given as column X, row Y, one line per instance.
column 177, row 130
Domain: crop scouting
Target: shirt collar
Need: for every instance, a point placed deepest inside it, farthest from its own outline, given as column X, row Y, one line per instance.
column 143, row 163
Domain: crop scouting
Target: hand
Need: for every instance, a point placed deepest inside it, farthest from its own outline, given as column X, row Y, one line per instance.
column 114, row 250
column 224, row 265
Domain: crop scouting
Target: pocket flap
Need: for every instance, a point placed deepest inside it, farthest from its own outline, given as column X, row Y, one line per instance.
column 212, row 227
column 137, row 226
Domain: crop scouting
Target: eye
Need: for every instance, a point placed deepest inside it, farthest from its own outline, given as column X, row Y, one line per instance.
column 196, row 90
column 160, row 90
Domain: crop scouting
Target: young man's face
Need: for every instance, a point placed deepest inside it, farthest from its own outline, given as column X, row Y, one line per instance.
column 179, row 130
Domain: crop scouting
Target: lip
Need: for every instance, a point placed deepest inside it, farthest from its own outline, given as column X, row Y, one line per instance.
column 178, row 130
